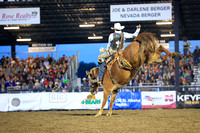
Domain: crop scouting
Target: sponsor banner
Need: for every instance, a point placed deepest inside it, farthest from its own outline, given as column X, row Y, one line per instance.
column 71, row 101
column 42, row 47
column 54, row 100
column 188, row 99
column 4, row 102
column 12, row 16
column 24, row 101
column 127, row 100
column 161, row 99
column 141, row 12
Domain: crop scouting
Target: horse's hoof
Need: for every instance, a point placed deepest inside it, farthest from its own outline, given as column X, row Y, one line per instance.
column 97, row 115
column 174, row 54
column 108, row 114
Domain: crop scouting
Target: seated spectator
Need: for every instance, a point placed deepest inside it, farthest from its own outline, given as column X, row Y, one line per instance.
column 64, row 85
column 3, row 89
column 11, row 87
column 45, row 82
column 37, row 84
column 56, row 88
column 85, row 86
column 51, row 85
column 24, row 86
column 188, row 77
column 18, row 86
column 8, row 83
column 46, row 88
column 159, row 82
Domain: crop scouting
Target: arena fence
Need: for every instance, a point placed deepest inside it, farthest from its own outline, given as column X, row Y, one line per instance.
column 182, row 88
column 79, row 101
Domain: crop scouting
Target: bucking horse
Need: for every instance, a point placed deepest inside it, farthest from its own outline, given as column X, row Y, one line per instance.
column 124, row 66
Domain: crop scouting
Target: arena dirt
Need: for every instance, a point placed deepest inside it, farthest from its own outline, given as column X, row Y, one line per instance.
column 122, row 121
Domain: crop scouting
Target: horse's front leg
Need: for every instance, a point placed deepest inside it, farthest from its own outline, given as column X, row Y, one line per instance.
column 105, row 99
column 168, row 53
column 112, row 100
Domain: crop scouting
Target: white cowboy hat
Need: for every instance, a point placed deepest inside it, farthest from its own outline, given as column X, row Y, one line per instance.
column 117, row 26
column 84, row 78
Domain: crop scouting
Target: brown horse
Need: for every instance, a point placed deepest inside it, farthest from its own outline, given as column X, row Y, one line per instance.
column 125, row 66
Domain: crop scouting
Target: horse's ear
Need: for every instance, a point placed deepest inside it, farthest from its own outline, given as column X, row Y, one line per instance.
column 87, row 72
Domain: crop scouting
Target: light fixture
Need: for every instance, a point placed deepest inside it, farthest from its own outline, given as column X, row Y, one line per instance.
column 24, row 40
column 95, row 37
column 167, row 35
column 86, row 25
column 11, row 28
column 163, row 23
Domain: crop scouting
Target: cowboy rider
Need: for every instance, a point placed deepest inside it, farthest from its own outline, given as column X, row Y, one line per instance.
column 116, row 42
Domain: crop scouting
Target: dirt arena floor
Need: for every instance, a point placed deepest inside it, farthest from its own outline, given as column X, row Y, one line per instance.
column 122, row 121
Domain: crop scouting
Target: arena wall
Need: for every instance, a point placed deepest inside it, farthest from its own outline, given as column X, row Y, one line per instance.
column 79, row 101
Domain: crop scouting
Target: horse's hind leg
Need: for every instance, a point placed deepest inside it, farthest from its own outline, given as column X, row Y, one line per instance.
column 105, row 99
column 113, row 96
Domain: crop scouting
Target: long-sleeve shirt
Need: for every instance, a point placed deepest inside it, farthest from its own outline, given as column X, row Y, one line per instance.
column 126, row 35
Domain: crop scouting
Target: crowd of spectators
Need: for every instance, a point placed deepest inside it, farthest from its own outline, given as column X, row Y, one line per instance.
column 163, row 74
column 47, row 74
column 37, row 74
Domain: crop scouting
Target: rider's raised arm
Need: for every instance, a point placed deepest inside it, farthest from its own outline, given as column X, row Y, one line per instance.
column 132, row 35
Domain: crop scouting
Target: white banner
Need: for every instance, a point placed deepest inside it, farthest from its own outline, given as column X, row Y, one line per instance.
column 160, row 99
column 41, row 49
column 4, row 102
column 71, row 101
column 12, row 16
column 50, row 100
column 24, row 101
column 141, row 12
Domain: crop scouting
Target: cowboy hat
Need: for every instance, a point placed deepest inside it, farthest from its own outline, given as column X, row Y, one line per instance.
column 117, row 26
column 84, row 78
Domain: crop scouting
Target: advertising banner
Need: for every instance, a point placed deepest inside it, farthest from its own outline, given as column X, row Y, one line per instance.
column 4, row 102
column 127, row 100
column 13, row 16
column 160, row 99
column 188, row 99
column 42, row 47
column 71, row 101
column 24, row 101
column 141, row 12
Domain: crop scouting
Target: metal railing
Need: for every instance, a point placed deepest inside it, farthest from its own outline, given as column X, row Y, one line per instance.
column 124, row 88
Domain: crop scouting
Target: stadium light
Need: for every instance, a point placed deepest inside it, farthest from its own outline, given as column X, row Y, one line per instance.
column 24, row 40
column 163, row 23
column 11, row 28
column 95, row 37
column 86, row 25
column 167, row 35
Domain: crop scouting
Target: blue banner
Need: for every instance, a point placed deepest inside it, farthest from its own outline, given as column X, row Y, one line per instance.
column 127, row 100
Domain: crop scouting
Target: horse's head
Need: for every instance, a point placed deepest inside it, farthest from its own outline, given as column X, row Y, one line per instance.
column 92, row 76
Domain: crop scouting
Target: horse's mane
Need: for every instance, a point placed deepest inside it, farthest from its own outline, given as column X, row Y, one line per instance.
column 148, row 41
